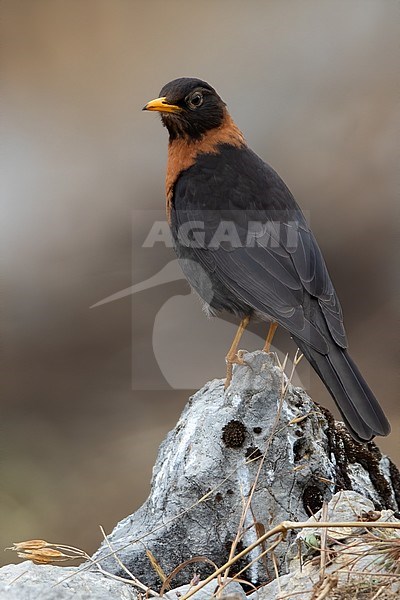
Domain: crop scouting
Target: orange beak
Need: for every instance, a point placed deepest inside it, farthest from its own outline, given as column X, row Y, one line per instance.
column 161, row 105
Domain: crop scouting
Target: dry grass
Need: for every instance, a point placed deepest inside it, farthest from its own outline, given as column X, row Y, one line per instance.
column 340, row 575
column 41, row 552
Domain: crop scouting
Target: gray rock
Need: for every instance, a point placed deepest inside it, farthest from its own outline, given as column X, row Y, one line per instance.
column 27, row 581
column 204, row 470
column 232, row 591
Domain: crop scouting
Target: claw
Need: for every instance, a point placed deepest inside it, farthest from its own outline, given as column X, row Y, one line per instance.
column 236, row 359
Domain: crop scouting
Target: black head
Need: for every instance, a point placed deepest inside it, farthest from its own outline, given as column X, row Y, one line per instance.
column 189, row 108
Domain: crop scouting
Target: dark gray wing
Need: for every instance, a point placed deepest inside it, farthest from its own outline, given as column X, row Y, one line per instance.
column 279, row 273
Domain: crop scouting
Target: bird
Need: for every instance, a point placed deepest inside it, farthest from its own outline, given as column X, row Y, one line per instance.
column 246, row 248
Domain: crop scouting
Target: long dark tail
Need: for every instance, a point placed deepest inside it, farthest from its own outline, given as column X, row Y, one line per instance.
column 356, row 402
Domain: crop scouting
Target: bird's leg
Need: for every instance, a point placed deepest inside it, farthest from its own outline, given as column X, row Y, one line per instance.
column 233, row 356
column 271, row 332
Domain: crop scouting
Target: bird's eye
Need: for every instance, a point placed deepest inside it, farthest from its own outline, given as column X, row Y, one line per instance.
column 195, row 100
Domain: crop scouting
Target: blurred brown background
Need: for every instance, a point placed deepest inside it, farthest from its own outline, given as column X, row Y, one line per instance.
column 314, row 86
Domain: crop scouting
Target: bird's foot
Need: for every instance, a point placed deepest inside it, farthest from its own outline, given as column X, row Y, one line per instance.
column 271, row 332
column 234, row 359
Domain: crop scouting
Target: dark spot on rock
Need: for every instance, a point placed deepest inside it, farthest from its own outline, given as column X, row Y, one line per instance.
column 312, row 499
column 302, row 449
column 368, row 456
column 242, row 562
column 230, row 492
column 257, row 430
column 233, row 434
column 252, row 452
column 299, row 402
column 299, row 433
column 347, row 451
column 299, row 449
column 372, row 447
column 218, row 497
column 239, row 546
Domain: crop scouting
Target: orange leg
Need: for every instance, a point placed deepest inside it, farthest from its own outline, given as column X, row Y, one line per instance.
column 232, row 357
column 271, row 332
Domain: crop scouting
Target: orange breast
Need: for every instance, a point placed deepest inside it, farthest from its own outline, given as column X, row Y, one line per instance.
column 182, row 152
